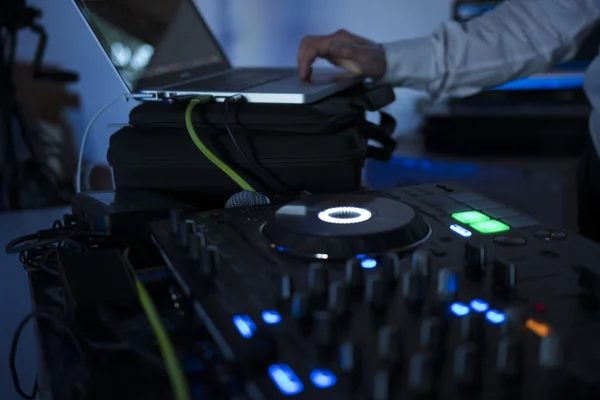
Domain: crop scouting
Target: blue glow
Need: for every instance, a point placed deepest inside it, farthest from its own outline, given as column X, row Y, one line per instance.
column 495, row 317
column 544, row 83
column 359, row 256
column 285, row 379
column 468, row 11
column 244, row 325
column 323, row 378
column 459, row 309
column 460, row 230
column 452, row 283
column 368, row 263
column 271, row 317
column 281, row 248
column 479, row 306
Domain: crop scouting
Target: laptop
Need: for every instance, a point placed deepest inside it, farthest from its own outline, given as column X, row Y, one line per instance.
column 166, row 50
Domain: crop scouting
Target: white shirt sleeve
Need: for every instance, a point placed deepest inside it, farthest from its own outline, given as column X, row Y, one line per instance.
column 517, row 39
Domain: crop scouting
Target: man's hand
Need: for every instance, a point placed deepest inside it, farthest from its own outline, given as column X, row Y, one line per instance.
column 353, row 53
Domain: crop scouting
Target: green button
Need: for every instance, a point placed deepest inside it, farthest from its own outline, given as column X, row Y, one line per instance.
column 491, row 226
column 470, row 217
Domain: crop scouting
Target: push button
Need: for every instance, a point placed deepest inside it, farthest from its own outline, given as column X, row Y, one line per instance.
column 438, row 200
column 520, row 222
column 453, row 208
column 491, row 226
column 510, row 241
column 482, row 204
column 470, row 217
column 501, row 212
column 465, row 196
column 549, row 235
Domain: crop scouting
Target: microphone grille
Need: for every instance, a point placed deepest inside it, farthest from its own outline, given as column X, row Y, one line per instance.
column 247, row 198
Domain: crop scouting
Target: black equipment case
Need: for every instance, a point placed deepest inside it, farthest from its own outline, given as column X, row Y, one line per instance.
column 319, row 147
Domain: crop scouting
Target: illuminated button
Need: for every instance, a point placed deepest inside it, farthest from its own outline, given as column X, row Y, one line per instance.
column 459, row 309
column 271, row 317
column 539, row 328
column 460, row 230
column 322, row 378
column 479, row 306
column 368, row 263
column 244, row 325
column 285, row 379
column 470, row 217
column 495, row 317
column 491, row 226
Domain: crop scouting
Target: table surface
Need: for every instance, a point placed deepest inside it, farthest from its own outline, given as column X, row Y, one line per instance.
column 15, row 301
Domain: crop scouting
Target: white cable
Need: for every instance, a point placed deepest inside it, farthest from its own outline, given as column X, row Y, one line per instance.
column 89, row 126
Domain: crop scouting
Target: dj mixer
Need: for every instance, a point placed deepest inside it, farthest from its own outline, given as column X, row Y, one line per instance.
column 426, row 292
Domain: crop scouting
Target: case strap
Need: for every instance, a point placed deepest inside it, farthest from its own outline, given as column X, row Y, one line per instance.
column 374, row 97
column 382, row 134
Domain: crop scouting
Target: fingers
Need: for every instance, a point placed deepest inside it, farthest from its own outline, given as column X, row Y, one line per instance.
column 311, row 48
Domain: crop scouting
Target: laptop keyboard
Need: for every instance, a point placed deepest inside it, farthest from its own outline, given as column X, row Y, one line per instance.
column 236, row 81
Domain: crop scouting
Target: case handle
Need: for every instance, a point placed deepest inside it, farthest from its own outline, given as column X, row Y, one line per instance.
column 381, row 134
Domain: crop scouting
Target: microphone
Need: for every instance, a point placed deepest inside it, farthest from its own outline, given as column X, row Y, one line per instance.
column 247, row 198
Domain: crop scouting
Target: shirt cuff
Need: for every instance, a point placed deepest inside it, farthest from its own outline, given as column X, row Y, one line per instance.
column 411, row 63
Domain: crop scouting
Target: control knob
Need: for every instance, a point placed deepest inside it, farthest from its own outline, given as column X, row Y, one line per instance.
column 421, row 374
column 421, row 263
column 197, row 243
column 413, row 288
column 509, row 361
column 377, row 294
column 187, row 228
column 355, row 277
column 389, row 345
column 211, row 260
column 301, row 311
column 323, row 328
column 339, row 299
column 318, row 283
column 475, row 260
column 390, row 269
column 285, row 289
column 467, row 365
column 448, row 281
column 551, row 353
column 174, row 220
column 504, row 277
column 351, row 362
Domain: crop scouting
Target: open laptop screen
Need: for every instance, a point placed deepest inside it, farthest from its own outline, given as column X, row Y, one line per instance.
column 565, row 76
column 153, row 43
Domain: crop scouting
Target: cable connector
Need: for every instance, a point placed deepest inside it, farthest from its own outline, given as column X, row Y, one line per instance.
column 235, row 99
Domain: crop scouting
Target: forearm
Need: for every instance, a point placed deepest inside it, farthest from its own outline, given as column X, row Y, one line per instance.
column 517, row 39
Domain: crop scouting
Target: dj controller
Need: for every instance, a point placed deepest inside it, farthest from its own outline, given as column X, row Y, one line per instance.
column 426, row 292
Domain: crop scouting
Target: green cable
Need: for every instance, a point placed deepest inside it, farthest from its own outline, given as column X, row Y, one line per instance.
column 177, row 378
column 202, row 147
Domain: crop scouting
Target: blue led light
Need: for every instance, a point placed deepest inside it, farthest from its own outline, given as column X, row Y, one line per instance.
column 271, row 317
column 459, row 309
column 359, row 256
column 460, row 230
column 452, row 284
column 479, row 306
column 244, row 325
column 495, row 317
column 542, row 82
column 322, row 378
column 285, row 379
column 368, row 263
